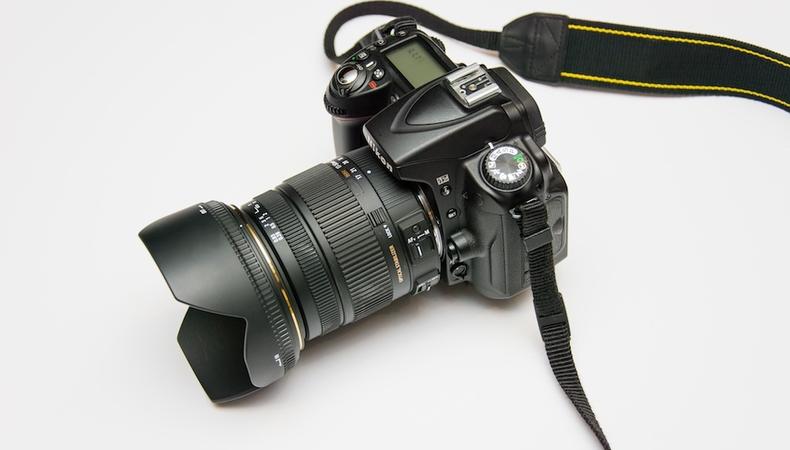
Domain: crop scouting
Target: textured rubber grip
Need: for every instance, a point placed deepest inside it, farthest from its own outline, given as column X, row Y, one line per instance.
column 316, row 274
column 256, row 272
column 350, row 235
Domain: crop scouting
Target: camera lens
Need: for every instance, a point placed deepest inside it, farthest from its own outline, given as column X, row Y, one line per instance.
column 327, row 247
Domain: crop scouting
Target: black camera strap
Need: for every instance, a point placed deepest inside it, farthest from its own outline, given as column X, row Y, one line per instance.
column 550, row 309
column 561, row 50
column 558, row 49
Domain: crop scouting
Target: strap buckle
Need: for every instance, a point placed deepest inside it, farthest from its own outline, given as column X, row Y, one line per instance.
column 553, row 319
column 539, row 239
column 558, row 318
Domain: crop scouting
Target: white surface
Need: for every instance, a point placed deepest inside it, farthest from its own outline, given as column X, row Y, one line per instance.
column 113, row 114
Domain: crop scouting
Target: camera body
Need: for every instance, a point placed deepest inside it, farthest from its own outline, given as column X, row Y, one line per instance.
column 428, row 184
column 472, row 141
column 391, row 61
column 441, row 138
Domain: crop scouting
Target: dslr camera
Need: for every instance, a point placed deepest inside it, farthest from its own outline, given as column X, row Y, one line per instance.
column 433, row 159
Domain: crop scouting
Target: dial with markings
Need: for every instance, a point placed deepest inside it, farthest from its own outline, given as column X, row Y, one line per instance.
column 506, row 168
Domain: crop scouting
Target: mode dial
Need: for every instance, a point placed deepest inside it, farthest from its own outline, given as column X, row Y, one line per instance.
column 506, row 168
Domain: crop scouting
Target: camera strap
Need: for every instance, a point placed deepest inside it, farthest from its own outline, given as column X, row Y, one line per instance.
column 557, row 49
column 550, row 309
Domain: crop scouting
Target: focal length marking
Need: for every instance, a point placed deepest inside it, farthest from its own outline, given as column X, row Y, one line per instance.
column 266, row 221
column 267, row 224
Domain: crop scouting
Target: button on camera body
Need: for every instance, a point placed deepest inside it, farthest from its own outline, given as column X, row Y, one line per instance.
column 390, row 62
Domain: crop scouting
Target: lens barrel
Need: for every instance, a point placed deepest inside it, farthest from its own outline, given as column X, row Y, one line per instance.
column 327, row 247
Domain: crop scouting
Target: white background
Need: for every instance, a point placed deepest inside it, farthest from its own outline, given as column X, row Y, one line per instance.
column 113, row 114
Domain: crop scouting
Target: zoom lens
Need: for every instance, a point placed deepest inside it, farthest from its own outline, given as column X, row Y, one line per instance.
column 327, row 247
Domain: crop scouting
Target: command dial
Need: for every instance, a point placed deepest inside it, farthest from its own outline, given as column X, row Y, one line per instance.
column 506, row 168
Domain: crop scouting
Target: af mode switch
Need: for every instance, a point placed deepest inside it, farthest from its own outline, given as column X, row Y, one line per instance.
column 417, row 233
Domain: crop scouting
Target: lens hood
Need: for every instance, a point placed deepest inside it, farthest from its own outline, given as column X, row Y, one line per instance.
column 235, row 334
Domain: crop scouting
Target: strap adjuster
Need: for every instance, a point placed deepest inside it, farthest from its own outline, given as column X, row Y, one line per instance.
column 539, row 239
column 558, row 318
column 553, row 319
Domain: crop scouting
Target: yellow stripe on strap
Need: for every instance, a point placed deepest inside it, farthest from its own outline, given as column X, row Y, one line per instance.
column 658, row 37
column 688, row 87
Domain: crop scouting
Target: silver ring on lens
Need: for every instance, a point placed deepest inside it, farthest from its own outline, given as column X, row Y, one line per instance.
column 437, row 232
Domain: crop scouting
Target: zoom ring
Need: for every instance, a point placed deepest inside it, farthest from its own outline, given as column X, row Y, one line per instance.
column 350, row 235
column 316, row 275
column 255, row 271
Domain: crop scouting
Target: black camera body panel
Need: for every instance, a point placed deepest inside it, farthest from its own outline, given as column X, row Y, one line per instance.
column 368, row 81
column 440, row 139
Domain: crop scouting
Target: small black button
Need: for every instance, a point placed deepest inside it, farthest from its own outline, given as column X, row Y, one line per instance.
column 452, row 213
column 361, row 56
column 370, row 64
column 378, row 74
column 380, row 43
column 459, row 270
column 446, row 190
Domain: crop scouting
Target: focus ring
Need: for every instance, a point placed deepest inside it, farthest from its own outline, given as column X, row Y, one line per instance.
column 318, row 279
column 256, row 272
column 350, row 235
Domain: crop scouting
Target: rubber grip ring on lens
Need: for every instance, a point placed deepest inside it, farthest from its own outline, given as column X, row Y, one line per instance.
column 319, row 281
column 350, row 235
column 256, row 272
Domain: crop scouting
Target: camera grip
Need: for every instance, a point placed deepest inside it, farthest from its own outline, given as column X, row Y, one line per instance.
column 501, row 269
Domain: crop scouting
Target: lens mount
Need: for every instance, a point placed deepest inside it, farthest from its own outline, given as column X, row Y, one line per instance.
column 437, row 230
